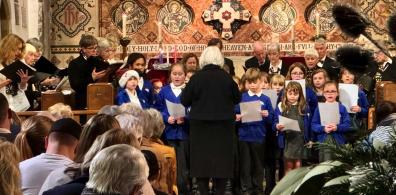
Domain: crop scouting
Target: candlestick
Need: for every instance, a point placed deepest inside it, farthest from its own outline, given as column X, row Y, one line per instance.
column 175, row 54
column 317, row 22
column 124, row 20
column 161, row 57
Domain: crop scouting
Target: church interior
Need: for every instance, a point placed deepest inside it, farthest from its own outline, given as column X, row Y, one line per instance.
column 311, row 108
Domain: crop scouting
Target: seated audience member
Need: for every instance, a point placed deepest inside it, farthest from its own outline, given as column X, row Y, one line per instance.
column 61, row 144
column 10, row 177
column 5, row 120
column 259, row 59
column 81, row 73
column 60, row 110
column 154, row 169
column 133, row 119
column 109, row 138
column 190, row 61
column 31, row 140
column 385, row 131
column 128, row 91
column 311, row 57
column 111, row 110
column 118, row 169
column 276, row 65
column 165, row 155
column 228, row 63
column 96, row 126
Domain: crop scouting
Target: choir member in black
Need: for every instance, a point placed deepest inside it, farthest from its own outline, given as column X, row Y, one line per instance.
column 81, row 73
column 228, row 63
column 259, row 60
column 311, row 58
column 386, row 67
column 329, row 64
column 276, row 65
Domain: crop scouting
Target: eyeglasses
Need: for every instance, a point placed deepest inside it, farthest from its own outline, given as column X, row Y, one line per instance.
column 92, row 47
column 330, row 91
column 297, row 73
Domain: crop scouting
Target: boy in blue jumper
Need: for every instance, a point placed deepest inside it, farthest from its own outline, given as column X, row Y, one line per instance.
column 252, row 135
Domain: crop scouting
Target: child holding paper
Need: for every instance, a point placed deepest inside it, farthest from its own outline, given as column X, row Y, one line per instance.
column 293, row 106
column 176, row 129
column 252, row 134
column 297, row 71
column 330, row 133
column 319, row 77
column 361, row 109
column 127, row 91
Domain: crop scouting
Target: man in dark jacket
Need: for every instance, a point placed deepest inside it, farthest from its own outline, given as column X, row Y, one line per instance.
column 329, row 64
column 259, row 60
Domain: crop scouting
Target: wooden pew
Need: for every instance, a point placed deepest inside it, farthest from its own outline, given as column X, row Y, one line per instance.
column 76, row 114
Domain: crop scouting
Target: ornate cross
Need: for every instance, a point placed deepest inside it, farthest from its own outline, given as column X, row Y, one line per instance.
column 226, row 15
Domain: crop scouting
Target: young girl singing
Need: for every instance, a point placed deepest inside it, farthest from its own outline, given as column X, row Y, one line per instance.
column 330, row 133
column 293, row 106
column 175, row 133
column 319, row 77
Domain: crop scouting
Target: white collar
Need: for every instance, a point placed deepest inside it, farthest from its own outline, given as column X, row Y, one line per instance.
column 278, row 66
column 141, row 83
column 177, row 87
column 258, row 93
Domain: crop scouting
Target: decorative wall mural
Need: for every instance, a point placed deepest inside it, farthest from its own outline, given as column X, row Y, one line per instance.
column 71, row 17
column 279, row 15
column 378, row 12
column 321, row 10
column 137, row 15
column 226, row 16
column 175, row 16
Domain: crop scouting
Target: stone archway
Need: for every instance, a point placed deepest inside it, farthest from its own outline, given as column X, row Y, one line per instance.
column 4, row 18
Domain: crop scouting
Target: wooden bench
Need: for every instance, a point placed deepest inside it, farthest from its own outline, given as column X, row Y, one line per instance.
column 76, row 114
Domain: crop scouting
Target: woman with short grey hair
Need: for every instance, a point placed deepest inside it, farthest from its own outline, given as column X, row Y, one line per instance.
column 212, row 94
column 118, row 169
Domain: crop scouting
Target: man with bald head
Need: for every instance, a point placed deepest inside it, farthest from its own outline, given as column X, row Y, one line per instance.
column 259, row 60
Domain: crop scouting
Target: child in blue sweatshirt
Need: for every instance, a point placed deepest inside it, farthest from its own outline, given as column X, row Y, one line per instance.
column 330, row 133
column 294, row 143
column 128, row 90
column 176, row 128
column 252, row 135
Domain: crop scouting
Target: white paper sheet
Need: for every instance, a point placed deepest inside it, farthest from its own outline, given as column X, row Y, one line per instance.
column 329, row 113
column 302, row 83
column 348, row 95
column 250, row 111
column 290, row 124
column 175, row 110
column 272, row 95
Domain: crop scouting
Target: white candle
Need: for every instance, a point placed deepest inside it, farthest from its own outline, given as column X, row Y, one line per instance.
column 292, row 31
column 167, row 55
column 159, row 32
column 317, row 22
column 124, row 21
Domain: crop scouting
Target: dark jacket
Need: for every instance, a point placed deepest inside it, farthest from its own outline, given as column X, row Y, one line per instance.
column 80, row 75
column 74, row 187
column 212, row 94
column 254, row 63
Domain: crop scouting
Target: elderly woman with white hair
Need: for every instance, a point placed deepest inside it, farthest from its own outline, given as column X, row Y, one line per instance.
column 118, row 169
column 212, row 94
column 311, row 57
